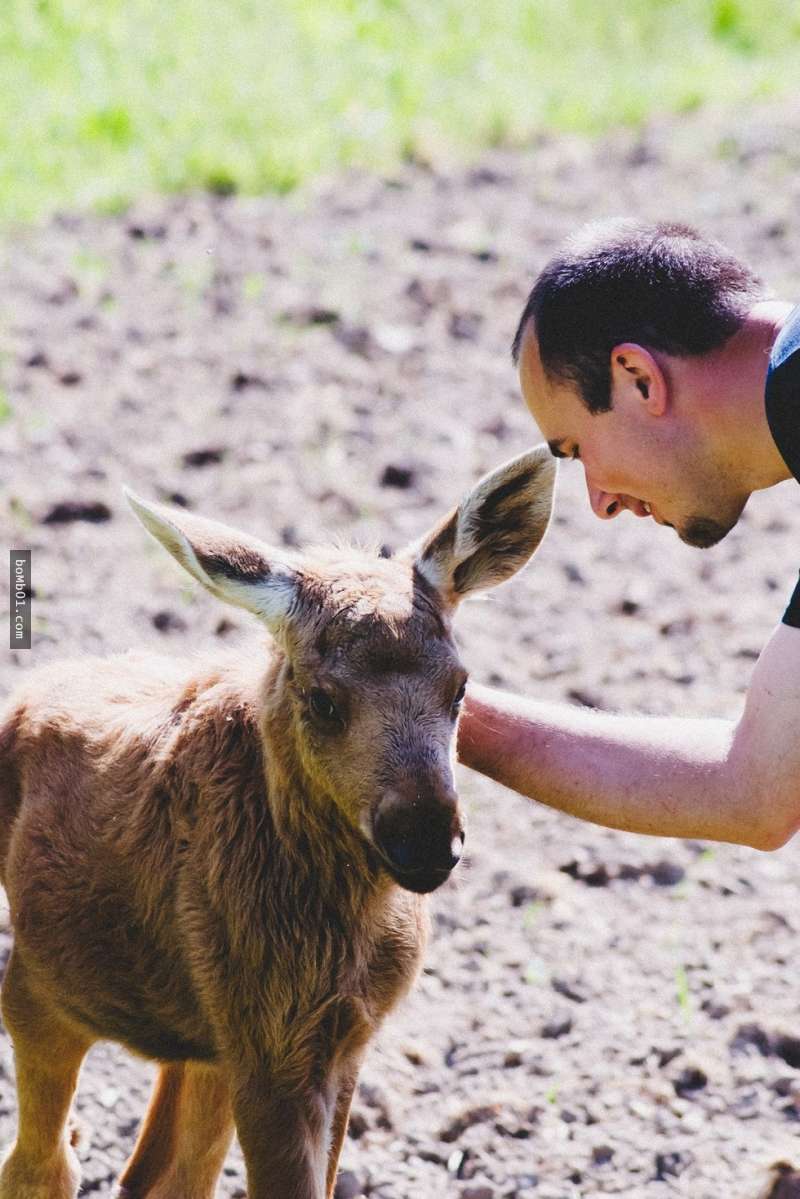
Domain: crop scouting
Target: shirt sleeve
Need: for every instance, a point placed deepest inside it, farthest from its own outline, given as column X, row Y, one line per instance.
column 792, row 614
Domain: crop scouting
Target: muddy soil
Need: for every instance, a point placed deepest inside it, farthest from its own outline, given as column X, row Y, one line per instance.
column 599, row 1014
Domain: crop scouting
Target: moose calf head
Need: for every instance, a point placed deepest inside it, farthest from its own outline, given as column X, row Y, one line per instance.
column 371, row 675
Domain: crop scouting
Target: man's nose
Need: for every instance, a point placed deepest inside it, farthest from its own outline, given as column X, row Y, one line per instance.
column 605, row 504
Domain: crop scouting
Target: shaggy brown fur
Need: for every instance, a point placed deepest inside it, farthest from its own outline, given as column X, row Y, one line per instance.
column 213, row 866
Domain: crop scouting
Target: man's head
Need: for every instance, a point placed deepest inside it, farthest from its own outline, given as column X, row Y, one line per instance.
column 619, row 328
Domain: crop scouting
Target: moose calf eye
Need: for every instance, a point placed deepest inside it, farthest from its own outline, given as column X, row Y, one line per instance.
column 459, row 696
column 323, row 707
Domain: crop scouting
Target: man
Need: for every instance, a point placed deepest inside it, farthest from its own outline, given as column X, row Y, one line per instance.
column 651, row 355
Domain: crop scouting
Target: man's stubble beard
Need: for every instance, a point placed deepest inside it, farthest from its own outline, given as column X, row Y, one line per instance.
column 702, row 532
column 705, row 531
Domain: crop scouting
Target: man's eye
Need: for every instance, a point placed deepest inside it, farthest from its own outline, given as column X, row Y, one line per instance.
column 576, row 453
column 323, row 707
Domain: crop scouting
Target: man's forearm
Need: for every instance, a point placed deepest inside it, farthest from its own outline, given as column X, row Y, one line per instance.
column 663, row 776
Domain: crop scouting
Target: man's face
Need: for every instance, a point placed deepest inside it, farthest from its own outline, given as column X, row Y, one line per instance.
column 652, row 465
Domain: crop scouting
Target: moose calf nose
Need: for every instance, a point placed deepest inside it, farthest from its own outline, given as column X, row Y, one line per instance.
column 418, row 833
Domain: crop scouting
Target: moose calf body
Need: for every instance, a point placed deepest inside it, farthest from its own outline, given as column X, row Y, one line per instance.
column 221, row 864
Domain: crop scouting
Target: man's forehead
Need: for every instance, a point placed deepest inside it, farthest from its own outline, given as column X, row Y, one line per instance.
column 549, row 407
column 531, row 371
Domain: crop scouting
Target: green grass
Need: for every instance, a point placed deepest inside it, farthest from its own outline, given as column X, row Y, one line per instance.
column 105, row 99
column 683, row 992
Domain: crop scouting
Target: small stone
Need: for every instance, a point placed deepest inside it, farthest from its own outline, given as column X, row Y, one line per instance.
column 569, row 990
column 224, row 626
column 146, row 231
column 602, row 1154
column 455, row 1162
column 667, row 874
column 585, row 698
column 464, row 326
column 479, row 1192
column 671, row 1165
column 348, row 1185
column 522, row 895
column 355, row 338
column 557, row 1027
column 465, row 1120
column 69, row 511
column 205, row 457
column 715, row 1009
column 357, row 1125
column 788, row 1048
column 108, row 1097
column 241, row 380
column 401, row 477
column 751, row 1036
column 311, row 314
column 690, row 1080
column 487, row 176
column 177, row 498
column 169, row 622
column 573, row 573
column 374, row 1098
column 745, row 1106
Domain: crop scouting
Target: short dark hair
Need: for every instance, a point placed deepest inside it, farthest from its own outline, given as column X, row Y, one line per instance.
column 664, row 286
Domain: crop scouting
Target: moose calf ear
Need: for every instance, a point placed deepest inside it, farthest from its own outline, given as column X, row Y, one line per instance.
column 234, row 567
column 494, row 530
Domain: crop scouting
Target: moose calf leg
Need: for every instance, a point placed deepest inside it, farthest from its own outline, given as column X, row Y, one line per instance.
column 284, row 1140
column 340, row 1117
column 48, row 1056
column 184, row 1137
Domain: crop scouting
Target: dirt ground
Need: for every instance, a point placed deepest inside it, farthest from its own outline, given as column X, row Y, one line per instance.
column 599, row 1014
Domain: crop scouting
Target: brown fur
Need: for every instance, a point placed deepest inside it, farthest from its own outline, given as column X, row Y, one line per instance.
column 193, row 867
column 153, row 898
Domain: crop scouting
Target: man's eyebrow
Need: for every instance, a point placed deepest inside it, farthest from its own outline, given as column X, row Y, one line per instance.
column 555, row 447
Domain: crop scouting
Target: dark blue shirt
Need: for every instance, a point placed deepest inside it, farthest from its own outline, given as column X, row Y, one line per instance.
column 782, row 401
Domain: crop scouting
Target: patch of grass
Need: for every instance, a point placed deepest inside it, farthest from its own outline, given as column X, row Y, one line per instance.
column 20, row 513
column 88, row 263
column 105, row 100
column 683, row 994
column 6, row 411
column 532, row 913
column 253, row 287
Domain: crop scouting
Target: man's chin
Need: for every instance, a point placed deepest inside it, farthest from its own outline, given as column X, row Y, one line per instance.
column 702, row 532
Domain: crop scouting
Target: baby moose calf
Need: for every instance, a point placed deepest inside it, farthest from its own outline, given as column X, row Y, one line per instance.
column 221, row 863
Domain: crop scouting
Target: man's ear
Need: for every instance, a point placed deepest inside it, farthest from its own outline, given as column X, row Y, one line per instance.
column 636, row 375
column 494, row 530
column 234, row 567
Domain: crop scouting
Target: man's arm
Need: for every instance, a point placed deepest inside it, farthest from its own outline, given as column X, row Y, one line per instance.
column 713, row 780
